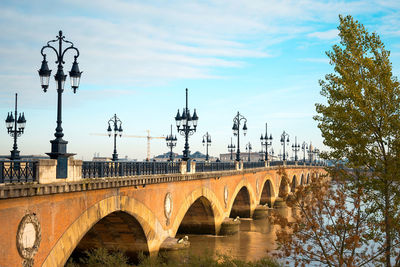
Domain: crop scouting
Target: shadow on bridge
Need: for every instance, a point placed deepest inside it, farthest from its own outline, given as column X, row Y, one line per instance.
column 199, row 219
column 267, row 193
column 241, row 204
column 117, row 231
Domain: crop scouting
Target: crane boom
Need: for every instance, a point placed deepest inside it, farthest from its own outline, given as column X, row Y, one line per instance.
column 139, row 136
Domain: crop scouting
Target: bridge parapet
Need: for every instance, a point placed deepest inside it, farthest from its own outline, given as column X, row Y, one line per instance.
column 94, row 183
column 43, row 171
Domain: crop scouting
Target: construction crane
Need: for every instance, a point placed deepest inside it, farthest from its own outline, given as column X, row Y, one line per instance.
column 149, row 138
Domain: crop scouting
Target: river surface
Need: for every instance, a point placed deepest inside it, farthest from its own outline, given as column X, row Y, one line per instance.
column 252, row 242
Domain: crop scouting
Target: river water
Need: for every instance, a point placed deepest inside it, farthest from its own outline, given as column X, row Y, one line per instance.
column 252, row 242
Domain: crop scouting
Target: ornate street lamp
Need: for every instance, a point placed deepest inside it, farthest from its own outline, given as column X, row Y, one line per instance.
column 236, row 131
column 207, row 143
column 171, row 143
column 280, row 155
column 116, row 124
column 284, row 142
column 295, row 148
column 304, row 147
column 188, row 124
column 266, row 141
column 15, row 128
column 249, row 148
column 316, row 155
column 231, row 148
column 310, row 152
column 58, row 145
column 271, row 153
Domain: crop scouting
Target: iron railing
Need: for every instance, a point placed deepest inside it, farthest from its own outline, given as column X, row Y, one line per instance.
column 101, row 169
column 93, row 169
column 253, row 164
column 214, row 166
column 17, row 171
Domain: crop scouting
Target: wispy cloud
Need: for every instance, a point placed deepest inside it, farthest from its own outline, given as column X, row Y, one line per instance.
column 325, row 35
column 314, row 60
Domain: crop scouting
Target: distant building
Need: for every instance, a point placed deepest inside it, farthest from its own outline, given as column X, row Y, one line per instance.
column 165, row 157
column 98, row 158
column 27, row 157
column 254, row 156
column 197, row 156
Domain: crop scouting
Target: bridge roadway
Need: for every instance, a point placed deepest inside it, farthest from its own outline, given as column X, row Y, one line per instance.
column 44, row 222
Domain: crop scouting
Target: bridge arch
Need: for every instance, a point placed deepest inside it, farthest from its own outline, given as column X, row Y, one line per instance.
column 247, row 200
column 71, row 237
column 293, row 184
column 206, row 197
column 283, row 187
column 267, row 193
column 199, row 218
column 302, row 181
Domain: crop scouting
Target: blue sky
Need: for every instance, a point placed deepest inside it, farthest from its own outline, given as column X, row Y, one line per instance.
column 262, row 58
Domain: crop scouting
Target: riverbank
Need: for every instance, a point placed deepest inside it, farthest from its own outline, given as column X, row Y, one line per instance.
column 103, row 257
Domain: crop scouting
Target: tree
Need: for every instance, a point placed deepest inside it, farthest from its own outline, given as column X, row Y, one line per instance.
column 360, row 123
column 328, row 225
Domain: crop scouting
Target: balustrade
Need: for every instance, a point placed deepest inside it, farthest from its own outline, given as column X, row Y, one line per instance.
column 17, row 171
column 214, row 166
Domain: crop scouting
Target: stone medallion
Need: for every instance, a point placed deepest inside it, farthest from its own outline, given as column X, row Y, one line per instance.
column 28, row 238
column 226, row 195
column 168, row 206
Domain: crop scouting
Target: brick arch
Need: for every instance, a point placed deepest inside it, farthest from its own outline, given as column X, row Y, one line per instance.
column 302, row 180
column 273, row 192
column 243, row 183
column 205, row 192
column 284, row 187
column 293, row 183
column 68, row 241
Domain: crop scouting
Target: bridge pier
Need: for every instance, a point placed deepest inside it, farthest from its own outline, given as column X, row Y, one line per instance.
column 261, row 212
column 280, row 203
column 229, row 226
column 47, row 169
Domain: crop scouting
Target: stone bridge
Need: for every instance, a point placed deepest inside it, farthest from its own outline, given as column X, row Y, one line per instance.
column 43, row 223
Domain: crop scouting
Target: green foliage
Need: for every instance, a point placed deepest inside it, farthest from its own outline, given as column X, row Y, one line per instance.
column 360, row 122
column 328, row 226
column 183, row 259
column 101, row 257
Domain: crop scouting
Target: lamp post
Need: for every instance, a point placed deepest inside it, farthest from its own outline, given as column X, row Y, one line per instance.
column 281, row 155
column 236, row 131
column 171, row 143
column 58, row 145
column 304, row 147
column 266, row 141
column 271, row 153
column 284, row 142
column 316, row 153
column 249, row 148
column 188, row 124
column 295, row 148
column 15, row 128
column 116, row 124
column 207, row 143
column 310, row 152
column 231, row 148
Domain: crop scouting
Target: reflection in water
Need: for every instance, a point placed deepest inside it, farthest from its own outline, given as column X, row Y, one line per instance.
column 254, row 239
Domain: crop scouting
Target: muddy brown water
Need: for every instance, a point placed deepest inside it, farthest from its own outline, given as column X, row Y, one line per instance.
column 253, row 241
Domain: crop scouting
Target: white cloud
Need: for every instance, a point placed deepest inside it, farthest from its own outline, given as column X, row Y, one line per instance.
column 315, row 60
column 325, row 35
